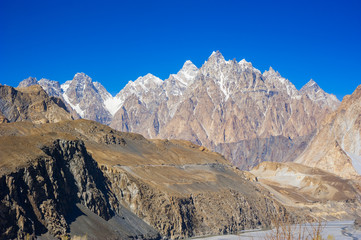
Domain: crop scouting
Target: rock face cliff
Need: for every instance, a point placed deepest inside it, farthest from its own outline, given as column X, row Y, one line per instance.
column 337, row 146
column 30, row 104
column 61, row 172
column 41, row 196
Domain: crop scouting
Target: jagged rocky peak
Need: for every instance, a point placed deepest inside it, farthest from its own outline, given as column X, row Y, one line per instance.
column 140, row 86
column 148, row 80
column 45, row 81
column 87, row 98
column 188, row 68
column 80, row 80
column 311, row 86
column 245, row 64
column 82, row 77
column 53, row 88
column 28, row 82
column 317, row 94
column 271, row 72
column 187, row 74
column 276, row 82
column 216, row 56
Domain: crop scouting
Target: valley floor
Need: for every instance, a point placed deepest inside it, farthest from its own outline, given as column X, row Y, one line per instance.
column 336, row 229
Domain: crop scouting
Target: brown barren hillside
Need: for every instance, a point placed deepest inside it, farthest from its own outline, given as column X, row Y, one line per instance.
column 318, row 193
column 178, row 188
column 30, row 104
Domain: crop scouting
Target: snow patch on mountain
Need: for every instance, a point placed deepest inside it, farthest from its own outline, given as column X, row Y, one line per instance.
column 65, row 86
column 248, row 66
column 276, row 81
column 139, row 87
column 113, row 104
column 75, row 107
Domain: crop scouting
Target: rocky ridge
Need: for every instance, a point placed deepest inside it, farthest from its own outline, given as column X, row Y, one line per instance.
column 30, row 104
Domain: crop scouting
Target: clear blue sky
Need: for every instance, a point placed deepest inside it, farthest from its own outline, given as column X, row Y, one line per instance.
column 117, row 41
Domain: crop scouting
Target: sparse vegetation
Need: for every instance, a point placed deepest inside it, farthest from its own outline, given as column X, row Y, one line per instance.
column 284, row 230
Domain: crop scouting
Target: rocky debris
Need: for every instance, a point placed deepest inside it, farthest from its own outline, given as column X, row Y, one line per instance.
column 30, row 104
column 336, row 147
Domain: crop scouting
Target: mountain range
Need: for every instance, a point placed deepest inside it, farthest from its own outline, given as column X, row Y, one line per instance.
column 61, row 176
column 227, row 106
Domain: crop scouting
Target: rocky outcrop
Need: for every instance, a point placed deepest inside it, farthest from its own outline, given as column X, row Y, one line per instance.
column 195, row 213
column 30, row 104
column 336, row 147
column 41, row 197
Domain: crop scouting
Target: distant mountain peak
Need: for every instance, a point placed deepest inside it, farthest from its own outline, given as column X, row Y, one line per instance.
column 310, row 86
column 316, row 93
column 216, row 56
column 188, row 65
column 148, row 79
column 28, row 82
column 243, row 61
column 82, row 77
column 188, row 62
column 271, row 72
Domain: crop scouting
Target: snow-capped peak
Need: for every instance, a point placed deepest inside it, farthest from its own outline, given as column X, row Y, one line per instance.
column 275, row 80
column 248, row 66
column 216, row 56
column 243, row 61
column 187, row 73
column 317, row 94
column 82, row 78
column 311, row 86
column 271, row 72
column 148, row 80
column 139, row 87
column 185, row 76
